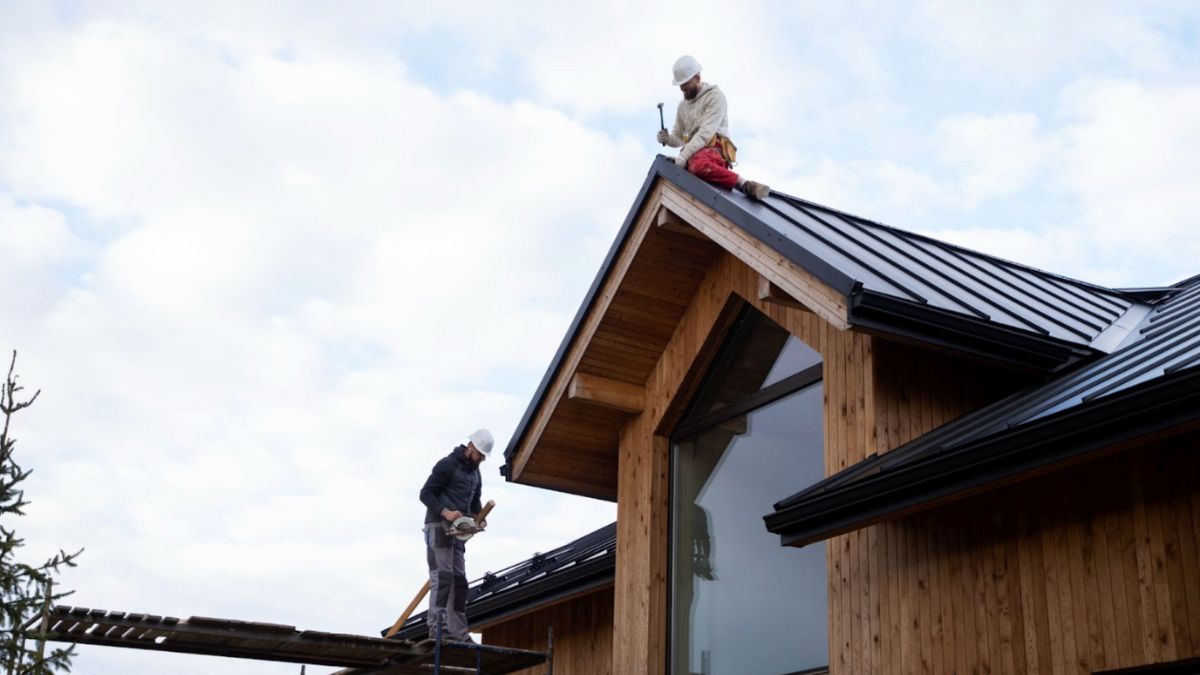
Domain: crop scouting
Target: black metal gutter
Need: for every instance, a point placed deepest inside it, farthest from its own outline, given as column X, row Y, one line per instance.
column 1162, row 405
column 923, row 323
column 581, row 579
column 579, row 567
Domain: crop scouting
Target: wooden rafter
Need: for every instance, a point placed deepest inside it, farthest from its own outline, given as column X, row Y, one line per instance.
column 608, row 393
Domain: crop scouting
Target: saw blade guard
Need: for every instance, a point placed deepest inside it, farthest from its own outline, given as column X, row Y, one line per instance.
column 464, row 528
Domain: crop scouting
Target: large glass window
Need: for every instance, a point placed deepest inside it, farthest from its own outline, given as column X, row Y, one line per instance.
column 741, row 603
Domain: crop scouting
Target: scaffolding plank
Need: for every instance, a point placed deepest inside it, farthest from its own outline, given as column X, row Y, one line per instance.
column 275, row 642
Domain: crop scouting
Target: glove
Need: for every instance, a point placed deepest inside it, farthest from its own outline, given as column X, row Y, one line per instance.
column 668, row 138
column 680, row 162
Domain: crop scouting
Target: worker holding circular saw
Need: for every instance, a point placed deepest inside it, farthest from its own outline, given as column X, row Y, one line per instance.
column 701, row 132
column 451, row 496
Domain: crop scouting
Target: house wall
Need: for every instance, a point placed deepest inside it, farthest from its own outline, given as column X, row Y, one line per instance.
column 1086, row 569
column 643, row 466
column 583, row 634
column 910, row 392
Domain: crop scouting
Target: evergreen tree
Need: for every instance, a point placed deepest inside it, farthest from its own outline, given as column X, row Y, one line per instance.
column 26, row 591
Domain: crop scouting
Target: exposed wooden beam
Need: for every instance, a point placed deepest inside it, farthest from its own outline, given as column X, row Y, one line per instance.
column 602, row 391
column 769, row 292
column 672, row 223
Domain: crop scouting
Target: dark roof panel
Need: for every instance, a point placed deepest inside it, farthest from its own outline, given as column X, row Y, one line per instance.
column 918, row 269
column 1162, row 352
column 585, row 564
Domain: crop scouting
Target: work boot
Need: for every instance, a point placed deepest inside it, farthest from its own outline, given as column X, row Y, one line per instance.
column 755, row 191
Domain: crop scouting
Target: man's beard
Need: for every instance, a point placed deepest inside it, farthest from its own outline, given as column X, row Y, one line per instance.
column 691, row 93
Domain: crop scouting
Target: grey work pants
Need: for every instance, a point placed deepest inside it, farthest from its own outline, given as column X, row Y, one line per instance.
column 447, row 583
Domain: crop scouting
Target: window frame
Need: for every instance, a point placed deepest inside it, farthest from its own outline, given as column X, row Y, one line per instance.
column 692, row 424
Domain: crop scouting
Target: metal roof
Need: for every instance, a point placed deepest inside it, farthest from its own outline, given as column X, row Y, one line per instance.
column 1162, row 351
column 902, row 284
column 925, row 271
column 584, row 564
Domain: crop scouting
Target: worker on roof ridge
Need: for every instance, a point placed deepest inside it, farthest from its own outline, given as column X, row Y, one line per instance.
column 452, row 491
column 701, row 132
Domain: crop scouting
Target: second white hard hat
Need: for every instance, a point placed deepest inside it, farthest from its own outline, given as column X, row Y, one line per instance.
column 686, row 67
column 482, row 440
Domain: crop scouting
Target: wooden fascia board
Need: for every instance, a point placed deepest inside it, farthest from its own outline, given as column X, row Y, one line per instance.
column 790, row 278
column 567, row 367
column 601, row 391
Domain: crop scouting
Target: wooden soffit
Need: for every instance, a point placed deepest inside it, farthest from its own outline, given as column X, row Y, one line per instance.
column 568, row 440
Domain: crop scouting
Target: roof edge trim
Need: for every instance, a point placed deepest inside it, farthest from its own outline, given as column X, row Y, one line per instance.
column 1159, row 406
column 920, row 323
column 573, row 330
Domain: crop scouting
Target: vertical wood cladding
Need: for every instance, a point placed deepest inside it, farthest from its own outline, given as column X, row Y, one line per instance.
column 583, row 635
column 642, row 546
column 879, row 395
column 1089, row 568
column 1086, row 569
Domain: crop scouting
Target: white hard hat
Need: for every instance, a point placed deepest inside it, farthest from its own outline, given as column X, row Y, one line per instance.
column 482, row 440
column 685, row 69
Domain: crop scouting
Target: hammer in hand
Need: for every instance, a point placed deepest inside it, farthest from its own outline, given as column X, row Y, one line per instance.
column 661, row 124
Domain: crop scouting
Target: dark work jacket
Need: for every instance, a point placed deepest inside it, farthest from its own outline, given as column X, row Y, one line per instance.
column 454, row 484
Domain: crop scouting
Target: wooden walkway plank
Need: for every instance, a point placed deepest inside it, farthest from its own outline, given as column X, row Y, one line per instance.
column 269, row 642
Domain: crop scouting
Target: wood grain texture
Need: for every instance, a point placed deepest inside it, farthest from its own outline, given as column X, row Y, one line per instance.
column 641, row 586
column 601, row 391
column 582, row 635
column 1089, row 568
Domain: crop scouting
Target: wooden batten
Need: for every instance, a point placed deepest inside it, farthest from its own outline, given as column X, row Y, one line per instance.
column 607, row 393
column 768, row 292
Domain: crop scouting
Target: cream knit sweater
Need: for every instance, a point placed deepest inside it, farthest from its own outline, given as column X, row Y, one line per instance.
column 696, row 121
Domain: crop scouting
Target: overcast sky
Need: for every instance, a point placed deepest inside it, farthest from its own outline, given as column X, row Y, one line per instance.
column 269, row 261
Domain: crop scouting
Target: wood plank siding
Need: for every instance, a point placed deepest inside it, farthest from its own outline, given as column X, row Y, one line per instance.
column 582, row 634
column 1086, row 569
column 1092, row 567
column 643, row 466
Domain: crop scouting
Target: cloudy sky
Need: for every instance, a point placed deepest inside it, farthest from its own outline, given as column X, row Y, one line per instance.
column 269, row 261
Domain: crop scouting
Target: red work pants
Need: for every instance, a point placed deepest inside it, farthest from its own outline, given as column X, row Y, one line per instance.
column 710, row 165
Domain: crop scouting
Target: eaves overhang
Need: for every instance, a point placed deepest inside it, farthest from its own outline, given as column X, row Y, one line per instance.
column 1166, row 405
column 589, row 301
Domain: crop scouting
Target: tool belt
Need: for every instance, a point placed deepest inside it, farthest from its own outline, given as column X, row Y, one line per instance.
column 726, row 147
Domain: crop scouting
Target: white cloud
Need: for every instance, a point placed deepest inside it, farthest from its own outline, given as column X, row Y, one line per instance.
column 276, row 260
column 307, row 278
column 40, row 256
column 1028, row 41
column 995, row 156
